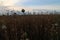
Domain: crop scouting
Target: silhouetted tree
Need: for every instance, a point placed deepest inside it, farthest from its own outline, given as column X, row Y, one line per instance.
column 23, row 10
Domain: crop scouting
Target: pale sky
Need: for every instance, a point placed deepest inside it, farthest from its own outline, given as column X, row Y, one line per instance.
column 32, row 4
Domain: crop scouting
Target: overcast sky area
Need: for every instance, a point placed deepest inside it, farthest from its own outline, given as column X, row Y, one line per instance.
column 33, row 4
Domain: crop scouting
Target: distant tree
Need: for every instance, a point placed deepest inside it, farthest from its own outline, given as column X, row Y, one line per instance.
column 29, row 13
column 7, row 14
column 3, row 15
column 14, row 14
column 34, row 13
column 23, row 10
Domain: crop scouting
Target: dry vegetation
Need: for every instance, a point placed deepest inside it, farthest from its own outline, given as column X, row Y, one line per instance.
column 37, row 27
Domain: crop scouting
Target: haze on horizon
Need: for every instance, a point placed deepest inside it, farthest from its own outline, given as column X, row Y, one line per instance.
column 32, row 4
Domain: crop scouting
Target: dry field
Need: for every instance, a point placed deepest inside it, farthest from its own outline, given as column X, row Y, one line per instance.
column 32, row 27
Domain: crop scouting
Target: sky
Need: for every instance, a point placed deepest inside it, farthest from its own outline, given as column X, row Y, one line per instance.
column 32, row 4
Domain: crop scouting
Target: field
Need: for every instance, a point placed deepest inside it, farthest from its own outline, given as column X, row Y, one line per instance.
column 32, row 27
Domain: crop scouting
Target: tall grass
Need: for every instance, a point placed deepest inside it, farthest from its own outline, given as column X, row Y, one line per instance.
column 37, row 27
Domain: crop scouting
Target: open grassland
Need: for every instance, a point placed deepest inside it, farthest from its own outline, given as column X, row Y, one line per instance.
column 37, row 27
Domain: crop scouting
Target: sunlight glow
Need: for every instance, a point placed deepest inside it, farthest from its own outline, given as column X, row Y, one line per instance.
column 10, row 2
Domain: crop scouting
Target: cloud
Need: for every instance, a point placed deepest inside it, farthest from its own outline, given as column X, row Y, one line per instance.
column 30, row 8
column 13, row 3
column 48, row 7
